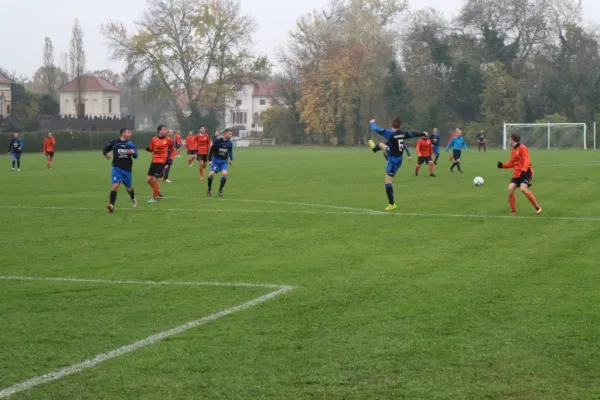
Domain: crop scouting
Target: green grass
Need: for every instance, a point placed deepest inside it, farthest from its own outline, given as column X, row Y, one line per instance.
column 392, row 306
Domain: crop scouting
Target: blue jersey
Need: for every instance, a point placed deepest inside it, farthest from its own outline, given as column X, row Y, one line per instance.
column 457, row 143
column 15, row 146
column 123, row 151
column 221, row 150
column 395, row 139
column 435, row 139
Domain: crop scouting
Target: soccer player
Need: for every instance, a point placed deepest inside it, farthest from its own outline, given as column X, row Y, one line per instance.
column 15, row 148
column 458, row 144
column 435, row 141
column 386, row 149
column 170, row 157
column 124, row 152
column 522, row 176
column 178, row 144
column 192, row 147
column 481, row 141
column 424, row 152
column 49, row 144
column 204, row 144
column 159, row 147
column 452, row 136
column 395, row 138
column 220, row 151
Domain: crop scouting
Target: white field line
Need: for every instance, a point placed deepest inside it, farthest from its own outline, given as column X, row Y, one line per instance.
column 363, row 213
column 150, row 340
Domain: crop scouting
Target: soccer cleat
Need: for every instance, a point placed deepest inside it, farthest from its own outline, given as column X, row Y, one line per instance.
column 371, row 144
column 208, row 194
column 513, row 212
column 538, row 210
column 432, row 175
column 152, row 201
column 18, row 169
column 110, row 208
column 161, row 196
column 134, row 203
column 191, row 165
column 220, row 193
column 168, row 180
column 390, row 207
column 13, row 170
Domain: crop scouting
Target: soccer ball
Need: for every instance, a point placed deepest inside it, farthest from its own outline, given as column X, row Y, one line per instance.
column 478, row 181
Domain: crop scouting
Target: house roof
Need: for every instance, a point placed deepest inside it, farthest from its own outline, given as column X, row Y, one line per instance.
column 265, row 89
column 90, row 83
column 4, row 79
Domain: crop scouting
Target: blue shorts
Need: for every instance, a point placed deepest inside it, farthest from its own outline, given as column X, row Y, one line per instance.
column 219, row 165
column 436, row 150
column 16, row 156
column 119, row 175
column 393, row 165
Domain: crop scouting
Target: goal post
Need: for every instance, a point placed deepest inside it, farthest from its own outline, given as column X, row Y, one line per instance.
column 549, row 135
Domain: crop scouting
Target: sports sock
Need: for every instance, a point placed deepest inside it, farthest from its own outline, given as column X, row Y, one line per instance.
column 458, row 166
column 155, row 190
column 201, row 172
column 431, row 168
column 223, row 181
column 417, row 169
column 132, row 194
column 436, row 158
column 389, row 190
column 376, row 149
column 532, row 200
column 210, row 179
column 14, row 162
column 113, row 197
column 166, row 173
column 18, row 163
column 512, row 201
column 452, row 167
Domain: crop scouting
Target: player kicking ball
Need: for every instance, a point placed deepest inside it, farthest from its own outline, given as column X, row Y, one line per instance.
column 386, row 149
column 520, row 162
column 220, row 157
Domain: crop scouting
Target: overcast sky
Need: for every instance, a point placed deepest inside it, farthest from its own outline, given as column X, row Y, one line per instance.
column 25, row 23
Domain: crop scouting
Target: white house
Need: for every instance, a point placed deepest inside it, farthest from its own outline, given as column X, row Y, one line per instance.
column 252, row 98
column 99, row 98
column 5, row 96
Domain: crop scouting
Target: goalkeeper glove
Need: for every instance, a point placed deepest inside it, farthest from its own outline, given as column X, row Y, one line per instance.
column 499, row 164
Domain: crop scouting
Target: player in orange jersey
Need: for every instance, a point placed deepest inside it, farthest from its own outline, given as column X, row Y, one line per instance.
column 424, row 152
column 170, row 157
column 192, row 147
column 177, row 140
column 452, row 136
column 159, row 147
column 522, row 176
column 49, row 144
column 204, row 144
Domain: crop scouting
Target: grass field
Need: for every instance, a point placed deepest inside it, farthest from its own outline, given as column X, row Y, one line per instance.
column 447, row 297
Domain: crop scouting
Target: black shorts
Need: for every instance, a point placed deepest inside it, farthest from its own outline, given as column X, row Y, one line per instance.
column 203, row 157
column 192, row 152
column 525, row 177
column 177, row 146
column 50, row 153
column 156, row 169
column 422, row 160
column 456, row 154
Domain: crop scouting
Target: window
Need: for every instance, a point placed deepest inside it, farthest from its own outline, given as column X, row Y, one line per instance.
column 238, row 103
column 110, row 106
column 263, row 102
column 239, row 117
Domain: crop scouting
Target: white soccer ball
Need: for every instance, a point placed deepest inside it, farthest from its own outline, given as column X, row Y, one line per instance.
column 478, row 181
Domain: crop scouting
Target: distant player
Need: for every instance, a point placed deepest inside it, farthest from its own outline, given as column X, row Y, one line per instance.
column 170, row 159
column 124, row 152
column 424, row 152
column 457, row 144
column 482, row 141
column 49, row 144
column 452, row 136
column 220, row 156
column 159, row 147
column 204, row 143
column 15, row 148
column 395, row 139
column 435, row 141
column 522, row 176
column 192, row 147
column 178, row 144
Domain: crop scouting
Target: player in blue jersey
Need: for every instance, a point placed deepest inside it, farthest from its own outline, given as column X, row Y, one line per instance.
column 124, row 152
column 14, row 149
column 435, row 140
column 457, row 144
column 395, row 139
column 220, row 157
column 385, row 146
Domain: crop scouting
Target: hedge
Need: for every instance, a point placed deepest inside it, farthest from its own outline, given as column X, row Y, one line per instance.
column 82, row 140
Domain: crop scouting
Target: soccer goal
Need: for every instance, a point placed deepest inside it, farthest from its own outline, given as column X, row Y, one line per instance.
column 549, row 135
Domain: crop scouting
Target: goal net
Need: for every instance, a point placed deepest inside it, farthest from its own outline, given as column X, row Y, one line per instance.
column 548, row 136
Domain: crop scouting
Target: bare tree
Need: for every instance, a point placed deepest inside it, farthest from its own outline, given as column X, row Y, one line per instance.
column 77, row 59
column 49, row 67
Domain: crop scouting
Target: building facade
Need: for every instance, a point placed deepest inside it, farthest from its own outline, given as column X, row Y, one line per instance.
column 99, row 98
column 5, row 96
column 252, row 98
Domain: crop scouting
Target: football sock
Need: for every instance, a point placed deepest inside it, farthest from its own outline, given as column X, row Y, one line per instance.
column 14, row 162
column 458, row 166
column 452, row 167
column 18, row 163
column 210, row 179
column 223, row 181
column 532, row 200
column 436, row 158
column 417, row 169
column 201, row 172
column 155, row 190
column 132, row 194
column 431, row 168
column 376, row 149
column 389, row 190
column 113, row 197
column 512, row 201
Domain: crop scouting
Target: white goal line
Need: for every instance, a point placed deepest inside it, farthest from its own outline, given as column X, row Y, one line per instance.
column 150, row 340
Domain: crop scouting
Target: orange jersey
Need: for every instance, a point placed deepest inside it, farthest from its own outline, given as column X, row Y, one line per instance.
column 177, row 138
column 452, row 137
column 173, row 153
column 519, row 160
column 190, row 142
column 159, row 147
column 424, row 148
column 49, row 144
column 203, row 142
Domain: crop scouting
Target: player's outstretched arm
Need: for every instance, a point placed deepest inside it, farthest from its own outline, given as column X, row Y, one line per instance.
column 376, row 128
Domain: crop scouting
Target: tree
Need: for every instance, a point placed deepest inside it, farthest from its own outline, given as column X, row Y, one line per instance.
column 77, row 59
column 199, row 46
column 38, row 82
column 50, row 70
column 111, row 76
column 25, row 107
column 502, row 100
column 280, row 123
column 48, row 105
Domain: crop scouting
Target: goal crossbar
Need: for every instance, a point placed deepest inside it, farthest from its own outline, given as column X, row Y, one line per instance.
column 549, row 125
